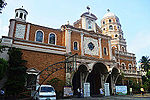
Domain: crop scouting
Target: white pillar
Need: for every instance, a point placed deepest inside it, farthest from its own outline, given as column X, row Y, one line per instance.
column 118, row 47
column 28, row 31
column 11, row 29
column 82, row 47
column 110, row 50
column 100, row 47
column 68, row 41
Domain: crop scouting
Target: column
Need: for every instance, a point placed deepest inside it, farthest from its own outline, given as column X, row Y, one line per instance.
column 100, row 47
column 11, row 29
column 110, row 50
column 82, row 45
column 112, row 83
column 68, row 41
column 28, row 30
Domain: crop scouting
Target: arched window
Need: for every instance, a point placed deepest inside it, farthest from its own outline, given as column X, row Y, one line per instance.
column 130, row 66
column 123, row 66
column 24, row 16
column 52, row 39
column 111, row 27
column 103, row 22
column 123, row 49
column 109, row 20
column 116, row 35
column 89, row 24
column 21, row 14
column 17, row 14
column 105, row 51
column 39, row 36
column 75, row 45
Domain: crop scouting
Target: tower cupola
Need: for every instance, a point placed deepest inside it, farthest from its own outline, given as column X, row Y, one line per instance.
column 21, row 14
column 88, row 20
column 110, row 25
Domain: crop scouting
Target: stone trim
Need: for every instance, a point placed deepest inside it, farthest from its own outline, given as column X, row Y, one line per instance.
column 29, row 44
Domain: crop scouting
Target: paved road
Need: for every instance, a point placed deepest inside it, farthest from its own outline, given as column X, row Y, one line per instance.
column 126, row 97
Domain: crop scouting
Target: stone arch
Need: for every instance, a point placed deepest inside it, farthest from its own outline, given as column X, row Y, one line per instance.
column 112, row 78
column 79, row 78
column 96, row 77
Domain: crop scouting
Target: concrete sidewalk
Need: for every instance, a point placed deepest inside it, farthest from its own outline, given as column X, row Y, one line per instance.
column 116, row 97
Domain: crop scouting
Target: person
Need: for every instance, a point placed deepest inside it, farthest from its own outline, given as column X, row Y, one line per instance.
column 2, row 94
column 142, row 90
column 131, row 91
column 79, row 92
column 101, row 91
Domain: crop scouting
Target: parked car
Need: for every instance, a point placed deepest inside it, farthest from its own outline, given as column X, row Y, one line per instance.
column 46, row 92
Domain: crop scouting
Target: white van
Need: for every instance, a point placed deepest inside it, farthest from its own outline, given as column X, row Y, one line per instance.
column 46, row 92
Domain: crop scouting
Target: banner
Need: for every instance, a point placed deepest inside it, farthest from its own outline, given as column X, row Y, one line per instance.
column 107, row 92
column 121, row 90
column 68, row 91
column 86, row 89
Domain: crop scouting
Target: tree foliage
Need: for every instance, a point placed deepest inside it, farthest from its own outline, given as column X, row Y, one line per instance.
column 3, row 67
column 16, row 72
column 145, row 63
column 2, row 4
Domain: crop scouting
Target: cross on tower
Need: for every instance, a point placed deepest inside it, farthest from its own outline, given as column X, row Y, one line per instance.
column 108, row 10
column 88, row 8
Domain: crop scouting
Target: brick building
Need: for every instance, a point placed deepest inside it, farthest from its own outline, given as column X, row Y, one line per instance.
column 102, row 50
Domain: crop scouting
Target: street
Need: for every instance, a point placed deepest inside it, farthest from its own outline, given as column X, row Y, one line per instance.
column 125, row 97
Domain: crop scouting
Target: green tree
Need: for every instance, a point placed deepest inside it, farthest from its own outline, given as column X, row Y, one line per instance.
column 3, row 67
column 16, row 72
column 2, row 5
column 145, row 63
column 148, row 74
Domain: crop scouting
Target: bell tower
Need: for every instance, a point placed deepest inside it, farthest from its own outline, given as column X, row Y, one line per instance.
column 21, row 14
column 88, row 20
column 110, row 25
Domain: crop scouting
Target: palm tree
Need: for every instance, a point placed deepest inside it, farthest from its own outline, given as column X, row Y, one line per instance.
column 145, row 63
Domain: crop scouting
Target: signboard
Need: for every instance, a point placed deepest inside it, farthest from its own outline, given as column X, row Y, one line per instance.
column 107, row 92
column 121, row 90
column 86, row 89
column 68, row 91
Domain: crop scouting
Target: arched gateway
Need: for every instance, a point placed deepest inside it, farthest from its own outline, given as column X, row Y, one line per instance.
column 99, row 75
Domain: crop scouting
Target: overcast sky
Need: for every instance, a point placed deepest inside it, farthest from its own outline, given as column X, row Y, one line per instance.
column 134, row 17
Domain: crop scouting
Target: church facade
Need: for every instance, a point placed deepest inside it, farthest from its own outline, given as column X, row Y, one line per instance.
column 101, row 50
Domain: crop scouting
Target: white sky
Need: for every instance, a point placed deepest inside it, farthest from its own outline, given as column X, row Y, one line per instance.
column 134, row 16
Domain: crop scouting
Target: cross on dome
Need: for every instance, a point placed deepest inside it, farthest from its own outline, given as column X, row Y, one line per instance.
column 88, row 8
column 108, row 10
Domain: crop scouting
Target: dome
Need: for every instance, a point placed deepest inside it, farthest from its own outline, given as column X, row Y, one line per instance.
column 21, row 9
column 109, row 14
column 88, row 14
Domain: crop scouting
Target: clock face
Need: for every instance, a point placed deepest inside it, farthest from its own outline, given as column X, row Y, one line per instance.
column 91, row 46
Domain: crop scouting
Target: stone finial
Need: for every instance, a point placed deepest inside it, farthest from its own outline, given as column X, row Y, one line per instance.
column 68, row 23
column 88, row 8
column 108, row 10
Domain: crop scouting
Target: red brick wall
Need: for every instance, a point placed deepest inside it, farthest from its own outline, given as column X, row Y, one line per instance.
column 75, row 36
column 41, row 61
column 104, row 43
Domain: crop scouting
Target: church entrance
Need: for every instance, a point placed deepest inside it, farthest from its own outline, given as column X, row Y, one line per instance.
column 112, row 78
column 96, row 78
column 79, row 78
